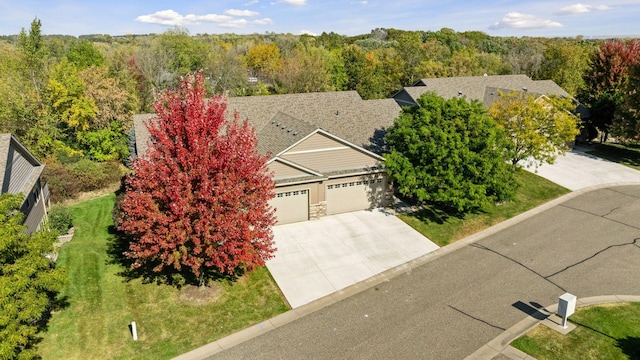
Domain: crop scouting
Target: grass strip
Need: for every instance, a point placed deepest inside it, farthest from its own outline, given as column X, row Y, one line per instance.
column 98, row 304
column 603, row 332
column 443, row 229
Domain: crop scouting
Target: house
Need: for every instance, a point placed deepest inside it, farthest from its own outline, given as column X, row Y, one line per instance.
column 485, row 89
column 21, row 174
column 325, row 149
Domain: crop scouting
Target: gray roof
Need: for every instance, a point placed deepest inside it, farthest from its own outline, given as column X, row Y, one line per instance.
column 282, row 132
column 344, row 114
column 483, row 88
column 475, row 87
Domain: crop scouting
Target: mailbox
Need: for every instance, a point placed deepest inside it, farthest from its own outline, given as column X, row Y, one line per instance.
column 566, row 307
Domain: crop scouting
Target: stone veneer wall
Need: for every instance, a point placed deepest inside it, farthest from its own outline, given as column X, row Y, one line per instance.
column 316, row 211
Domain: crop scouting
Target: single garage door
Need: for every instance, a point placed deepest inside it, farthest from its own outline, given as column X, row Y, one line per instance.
column 354, row 195
column 291, row 206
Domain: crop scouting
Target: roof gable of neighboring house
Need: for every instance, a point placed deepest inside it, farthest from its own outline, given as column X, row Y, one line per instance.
column 20, row 169
column 482, row 88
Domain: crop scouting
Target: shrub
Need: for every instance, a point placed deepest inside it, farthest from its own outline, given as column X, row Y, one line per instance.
column 66, row 181
column 60, row 219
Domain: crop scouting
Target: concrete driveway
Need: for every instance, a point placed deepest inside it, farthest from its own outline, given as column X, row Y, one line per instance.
column 319, row 257
column 577, row 170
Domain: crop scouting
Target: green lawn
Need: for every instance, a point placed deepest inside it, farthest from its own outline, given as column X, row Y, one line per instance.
column 443, row 229
column 100, row 303
column 602, row 332
column 625, row 155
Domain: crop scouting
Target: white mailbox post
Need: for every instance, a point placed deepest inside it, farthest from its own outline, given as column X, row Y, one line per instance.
column 566, row 307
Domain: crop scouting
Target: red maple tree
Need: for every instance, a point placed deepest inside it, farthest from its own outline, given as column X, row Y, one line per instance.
column 199, row 199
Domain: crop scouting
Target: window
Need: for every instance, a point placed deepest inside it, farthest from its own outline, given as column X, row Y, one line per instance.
column 288, row 193
column 296, row 192
column 329, row 187
column 303, row 192
column 379, row 180
column 344, row 185
column 358, row 182
column 351, row 183
column 280, row 195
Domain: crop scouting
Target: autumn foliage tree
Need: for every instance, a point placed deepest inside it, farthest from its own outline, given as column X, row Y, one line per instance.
column 606, row 79
column 539, row 128
column 198, row 202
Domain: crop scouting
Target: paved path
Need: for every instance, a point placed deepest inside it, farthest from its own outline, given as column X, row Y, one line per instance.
column 319, row 257
column 455, row 300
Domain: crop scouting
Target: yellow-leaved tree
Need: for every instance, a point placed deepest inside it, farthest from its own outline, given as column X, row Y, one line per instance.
column 539, row 127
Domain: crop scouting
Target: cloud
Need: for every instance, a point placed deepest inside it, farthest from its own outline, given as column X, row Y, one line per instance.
column 363, row 2
column 294, row 2
column 235, row 24
column 307, row 32
column 581, row 9
column 265, row 21
column 172, row 18
column 515, row 20
column 235, row 12
column 252, row 2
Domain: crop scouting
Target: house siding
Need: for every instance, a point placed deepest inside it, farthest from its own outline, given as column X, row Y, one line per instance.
column 316, row 142
column 20, row 169
column 283, row 171
column 332, row 160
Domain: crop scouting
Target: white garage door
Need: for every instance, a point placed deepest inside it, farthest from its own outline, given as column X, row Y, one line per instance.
column 291, row 206
column 354, row 195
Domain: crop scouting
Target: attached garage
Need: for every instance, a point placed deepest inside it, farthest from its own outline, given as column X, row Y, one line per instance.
column 355, row 194
column 291, row 206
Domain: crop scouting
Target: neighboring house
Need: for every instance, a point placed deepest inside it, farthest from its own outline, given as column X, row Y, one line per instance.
column 325, row 149
column 21, row 174
column 485, row 89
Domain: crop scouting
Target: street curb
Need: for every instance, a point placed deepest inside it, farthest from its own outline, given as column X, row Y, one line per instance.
column 299, row 312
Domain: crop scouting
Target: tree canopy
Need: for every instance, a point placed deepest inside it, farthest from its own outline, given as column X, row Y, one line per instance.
column 449, row 153
column 539, row 128
column 28, row 281
column 199, row 202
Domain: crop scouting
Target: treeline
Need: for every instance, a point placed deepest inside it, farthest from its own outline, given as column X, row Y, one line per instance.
column 72, row 99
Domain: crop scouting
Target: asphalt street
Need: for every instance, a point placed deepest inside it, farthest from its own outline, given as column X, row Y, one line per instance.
column 449, row 307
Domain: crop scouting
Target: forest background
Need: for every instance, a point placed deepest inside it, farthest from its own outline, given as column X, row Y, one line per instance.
column 71, row 100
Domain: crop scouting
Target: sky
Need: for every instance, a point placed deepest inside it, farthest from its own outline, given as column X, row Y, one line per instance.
column 602, row 18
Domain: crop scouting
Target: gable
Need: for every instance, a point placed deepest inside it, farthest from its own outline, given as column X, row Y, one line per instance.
column 324, row 153
column 284, row 170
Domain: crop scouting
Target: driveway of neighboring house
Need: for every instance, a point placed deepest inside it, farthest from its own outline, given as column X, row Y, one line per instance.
column 319, row 257
column 577, row 170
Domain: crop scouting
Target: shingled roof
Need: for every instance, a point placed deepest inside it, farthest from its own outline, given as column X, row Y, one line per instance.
column 19, row 168
column 485, row 89
column 282, row 132
column 344, row 114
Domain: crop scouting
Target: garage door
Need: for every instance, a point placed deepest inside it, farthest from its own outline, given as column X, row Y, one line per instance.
column 354, row 195
column 291, row 206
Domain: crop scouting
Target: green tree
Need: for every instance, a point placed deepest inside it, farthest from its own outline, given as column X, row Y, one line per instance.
column 449, row 153
column 28, row 281
column 538, row 128
column 265, row 60
column 565, row 62
column 626, row 121
column 34, row 49
column 84, row 54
